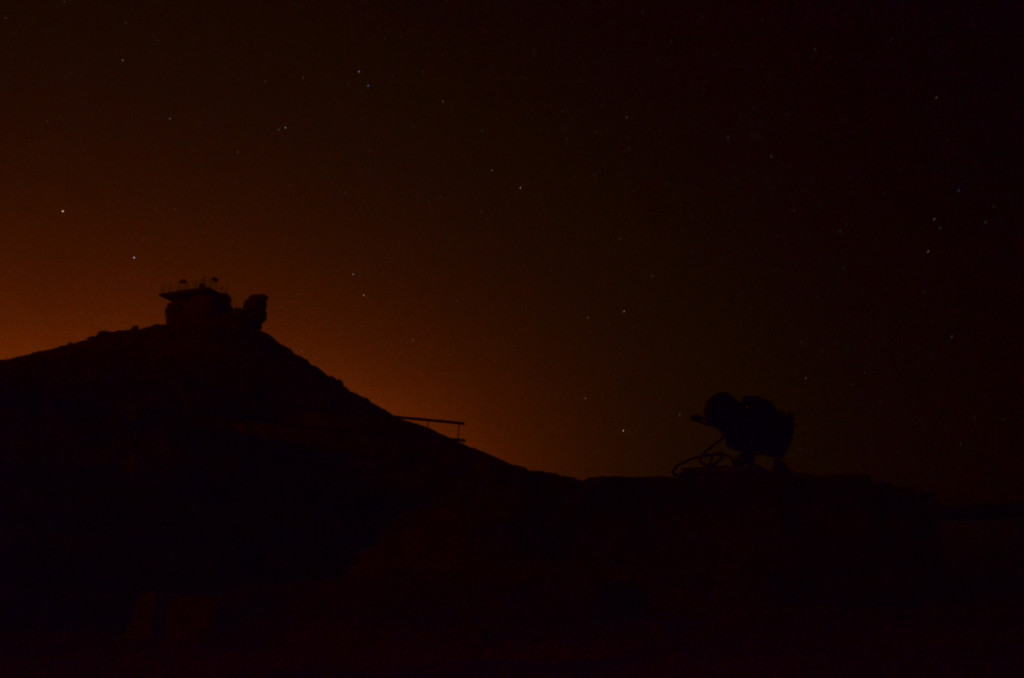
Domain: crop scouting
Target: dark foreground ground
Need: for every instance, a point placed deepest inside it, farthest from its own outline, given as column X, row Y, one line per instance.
column 949, row 640
column 457, row 592
column 197, row 500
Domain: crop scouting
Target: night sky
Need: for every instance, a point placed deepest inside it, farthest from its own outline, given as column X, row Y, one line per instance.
column 567, row 225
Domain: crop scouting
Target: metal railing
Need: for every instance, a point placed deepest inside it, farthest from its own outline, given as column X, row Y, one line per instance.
column 458, row 425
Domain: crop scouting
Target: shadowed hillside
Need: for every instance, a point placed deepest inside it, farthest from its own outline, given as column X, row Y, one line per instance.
column 195, row 490
column 193, row 458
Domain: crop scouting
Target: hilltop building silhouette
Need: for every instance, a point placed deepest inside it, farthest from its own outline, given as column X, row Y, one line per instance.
column 202, row 304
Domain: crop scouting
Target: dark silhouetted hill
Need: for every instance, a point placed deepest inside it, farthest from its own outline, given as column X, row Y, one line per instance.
column 197, row 487
column 193, row 459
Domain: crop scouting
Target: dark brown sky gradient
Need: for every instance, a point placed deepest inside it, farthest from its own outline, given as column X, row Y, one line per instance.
column 566, row 226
